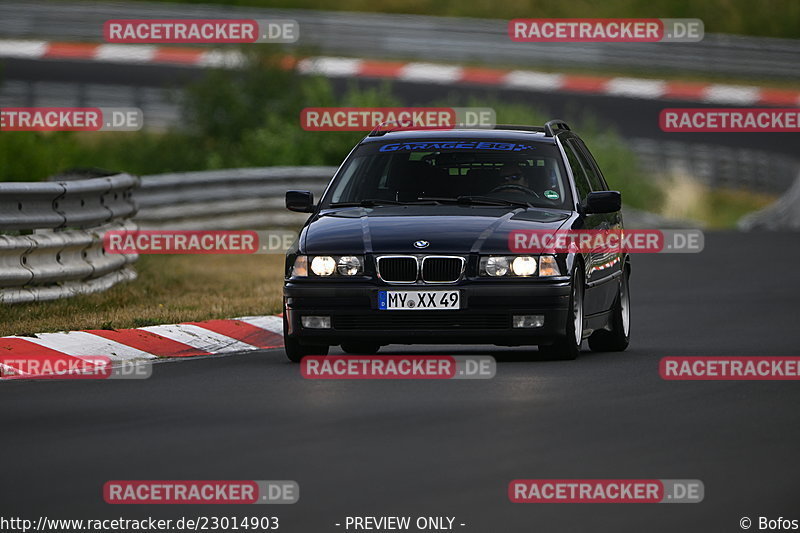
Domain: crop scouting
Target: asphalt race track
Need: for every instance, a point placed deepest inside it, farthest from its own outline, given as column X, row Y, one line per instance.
column 450, row 448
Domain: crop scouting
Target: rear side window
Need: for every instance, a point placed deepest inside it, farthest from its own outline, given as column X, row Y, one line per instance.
column 581, row 183
column 593, row 174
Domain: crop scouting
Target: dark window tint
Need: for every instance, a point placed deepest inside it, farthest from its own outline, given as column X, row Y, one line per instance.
column 578, row 171
column 598, row 183
column 410, row 170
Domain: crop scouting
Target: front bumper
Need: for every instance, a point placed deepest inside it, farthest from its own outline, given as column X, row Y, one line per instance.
column 485, row 316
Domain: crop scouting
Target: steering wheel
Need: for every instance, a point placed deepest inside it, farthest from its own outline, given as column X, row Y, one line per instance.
column 514, row 187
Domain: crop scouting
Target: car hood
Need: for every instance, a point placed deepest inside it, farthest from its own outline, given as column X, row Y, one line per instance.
column 448, row 229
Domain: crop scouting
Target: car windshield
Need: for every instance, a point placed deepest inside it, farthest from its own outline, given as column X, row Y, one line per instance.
column 464, row 171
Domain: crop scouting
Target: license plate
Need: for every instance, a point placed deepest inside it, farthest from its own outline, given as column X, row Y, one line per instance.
column 418, row 300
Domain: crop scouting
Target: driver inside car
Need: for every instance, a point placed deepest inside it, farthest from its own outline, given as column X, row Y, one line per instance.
column 539, row 181
column 511, row 174
column 513, row 181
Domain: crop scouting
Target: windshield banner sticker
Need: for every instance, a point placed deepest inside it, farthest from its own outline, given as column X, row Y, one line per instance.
column 454, row 145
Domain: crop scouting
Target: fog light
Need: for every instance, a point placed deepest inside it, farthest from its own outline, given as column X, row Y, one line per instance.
column 528, row 321
column 316, row 322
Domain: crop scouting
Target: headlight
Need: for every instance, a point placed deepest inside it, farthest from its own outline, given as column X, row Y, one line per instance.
column 323, row 265
column 328, row 266
column 524, row 265
column 512, row 266
column 349, row 265
column 548, row 266
column 496, row 266
column 300, row 267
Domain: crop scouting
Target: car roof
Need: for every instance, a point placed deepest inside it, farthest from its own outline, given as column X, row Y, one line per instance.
column 526, row 135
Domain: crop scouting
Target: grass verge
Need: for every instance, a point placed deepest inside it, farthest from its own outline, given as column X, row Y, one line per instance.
column 170, row 289
column 718, row 208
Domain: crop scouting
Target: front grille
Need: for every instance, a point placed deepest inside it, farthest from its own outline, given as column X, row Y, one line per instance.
column 435, row 269
column 398, row 269
column 420, row 320
column 442, row 269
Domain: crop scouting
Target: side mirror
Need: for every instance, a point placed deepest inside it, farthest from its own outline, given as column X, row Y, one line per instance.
column 300, row 201
column 603, row 202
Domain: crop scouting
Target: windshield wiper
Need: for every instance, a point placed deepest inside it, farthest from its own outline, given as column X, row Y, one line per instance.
column 371, row 202
column 478, row 200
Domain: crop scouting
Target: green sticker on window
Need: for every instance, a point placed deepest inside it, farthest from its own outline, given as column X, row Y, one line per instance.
column 551, row 195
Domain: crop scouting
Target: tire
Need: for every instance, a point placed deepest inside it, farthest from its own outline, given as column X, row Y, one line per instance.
column 357, row 348
column 296, row 351
column 618, row 338
column 568, row 347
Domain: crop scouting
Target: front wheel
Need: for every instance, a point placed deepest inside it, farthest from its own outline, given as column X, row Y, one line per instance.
column 619, row 337
column 568, row 347
column 296, row 351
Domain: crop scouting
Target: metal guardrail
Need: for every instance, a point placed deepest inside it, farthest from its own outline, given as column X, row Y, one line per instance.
column 716, row 165
column 159, row 104
column 240, row 198
column 51, row 233
column 782, row 215
column 73, row 204
column 423, row 37
column 51, row 237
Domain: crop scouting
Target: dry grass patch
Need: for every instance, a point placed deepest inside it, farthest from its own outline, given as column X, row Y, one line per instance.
column 718, row 208
column 170, row 289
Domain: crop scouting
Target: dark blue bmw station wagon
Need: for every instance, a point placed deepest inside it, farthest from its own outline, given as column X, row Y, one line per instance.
column 409, row 244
